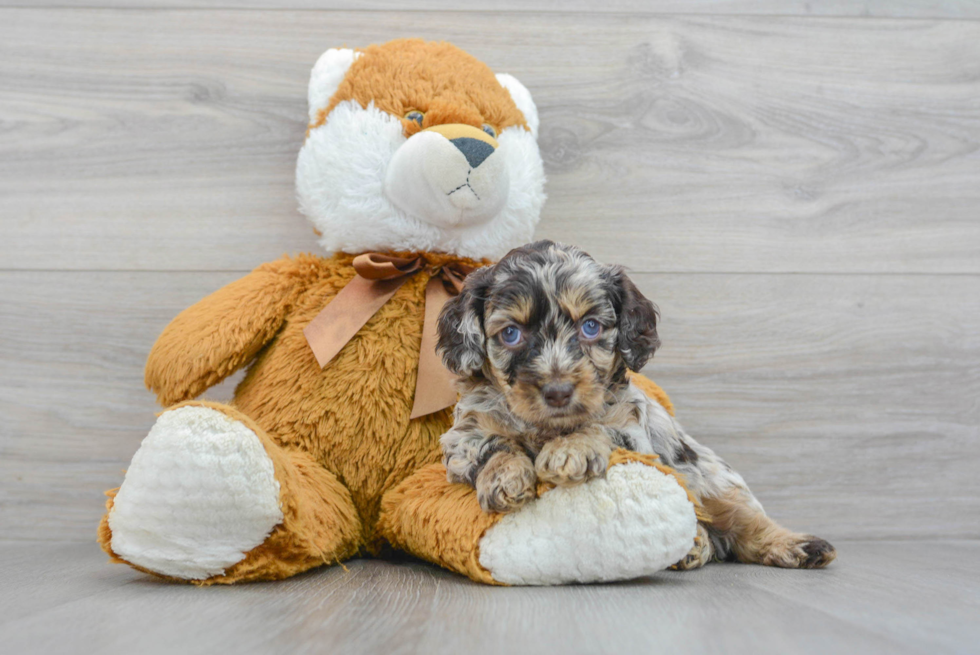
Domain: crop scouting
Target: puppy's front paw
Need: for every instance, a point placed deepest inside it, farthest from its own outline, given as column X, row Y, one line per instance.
column 573, row 459
column 506, row 483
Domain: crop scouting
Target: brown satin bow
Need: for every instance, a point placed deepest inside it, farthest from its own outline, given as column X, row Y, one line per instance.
column 378, row 277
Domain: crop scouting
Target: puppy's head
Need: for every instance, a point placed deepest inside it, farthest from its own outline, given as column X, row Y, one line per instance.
column 552, row 328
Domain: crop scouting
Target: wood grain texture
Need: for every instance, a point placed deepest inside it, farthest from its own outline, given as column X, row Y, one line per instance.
column 799, row 195
column 166, row 140
column 845, row 8
column 877, row 598
column 849, row 403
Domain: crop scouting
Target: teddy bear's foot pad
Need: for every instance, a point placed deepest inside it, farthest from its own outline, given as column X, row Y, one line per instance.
column 634, row 522
column 199, row 494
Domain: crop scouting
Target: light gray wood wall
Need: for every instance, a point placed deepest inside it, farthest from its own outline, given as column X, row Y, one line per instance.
column 799, row 193
column 844, row 8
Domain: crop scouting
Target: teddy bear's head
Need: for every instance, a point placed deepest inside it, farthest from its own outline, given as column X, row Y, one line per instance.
column 418, row 146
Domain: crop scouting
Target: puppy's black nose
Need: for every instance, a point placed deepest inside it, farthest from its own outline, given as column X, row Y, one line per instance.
column 474, row 150
column 558, row 395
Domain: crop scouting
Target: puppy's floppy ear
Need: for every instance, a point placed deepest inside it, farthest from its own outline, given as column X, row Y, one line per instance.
column 636, row 322
column 462, row 342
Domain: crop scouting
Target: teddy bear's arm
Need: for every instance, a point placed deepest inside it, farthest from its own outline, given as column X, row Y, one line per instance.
column 213, row 338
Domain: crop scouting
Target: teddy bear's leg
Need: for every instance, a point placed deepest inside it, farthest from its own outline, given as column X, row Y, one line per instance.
column 635, row 521
column 210, row 498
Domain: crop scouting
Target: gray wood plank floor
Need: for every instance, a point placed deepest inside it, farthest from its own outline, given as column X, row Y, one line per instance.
column 906, row 597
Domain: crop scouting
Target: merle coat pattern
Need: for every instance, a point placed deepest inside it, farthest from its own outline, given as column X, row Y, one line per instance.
column 542, row 342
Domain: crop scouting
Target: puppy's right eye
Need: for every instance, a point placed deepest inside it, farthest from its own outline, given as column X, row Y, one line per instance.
column 511, row 336
column 590, row 329
column 416, row 117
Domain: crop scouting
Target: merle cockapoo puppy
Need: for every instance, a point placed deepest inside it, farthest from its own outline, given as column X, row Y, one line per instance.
column 542, row 342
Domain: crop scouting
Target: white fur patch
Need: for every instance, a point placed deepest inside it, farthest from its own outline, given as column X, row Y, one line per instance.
column 326, row 76
column 522, row 98
column 199, row 494
column 340, row 177
column 430, row 177
column 634, row 522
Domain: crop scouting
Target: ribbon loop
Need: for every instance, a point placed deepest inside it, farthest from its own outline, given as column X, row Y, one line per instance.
column 379, row 276
column 378, row 266
column 455, row 274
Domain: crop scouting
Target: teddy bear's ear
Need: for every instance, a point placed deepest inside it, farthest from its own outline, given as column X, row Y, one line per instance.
column 522, row 98
column 327, row 75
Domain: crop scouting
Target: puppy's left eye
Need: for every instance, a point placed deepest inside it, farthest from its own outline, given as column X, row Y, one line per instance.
column 489, row 130
column 590, row 329
column 511, row 336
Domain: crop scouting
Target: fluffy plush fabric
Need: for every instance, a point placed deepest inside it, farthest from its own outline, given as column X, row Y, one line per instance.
column 431, row 177
column 340, row 178
column 522, row 98
column 636, row 521
column 437, row 78
column 340, row 437
column 197, row 475
column 351, row 417
column 438, row 521
column 319, row 523
column 341, row 171
column 308, row 465
column 327, row 74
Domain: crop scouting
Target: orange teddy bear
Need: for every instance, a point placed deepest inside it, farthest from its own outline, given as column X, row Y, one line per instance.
column 419, row 164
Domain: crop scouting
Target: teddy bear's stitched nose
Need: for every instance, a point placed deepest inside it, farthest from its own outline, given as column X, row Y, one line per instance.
column 474, row 150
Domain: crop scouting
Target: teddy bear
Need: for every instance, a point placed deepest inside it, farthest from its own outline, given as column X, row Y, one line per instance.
column 419, row 165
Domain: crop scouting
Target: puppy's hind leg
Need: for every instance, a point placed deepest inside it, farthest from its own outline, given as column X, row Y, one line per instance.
column 702, row 552
column 739, row 527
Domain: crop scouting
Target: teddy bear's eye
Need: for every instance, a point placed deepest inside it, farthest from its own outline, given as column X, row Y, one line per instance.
column 489, row 130
column 416, row 116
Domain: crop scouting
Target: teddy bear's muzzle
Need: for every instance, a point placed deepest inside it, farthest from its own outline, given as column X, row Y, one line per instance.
column 450, row 176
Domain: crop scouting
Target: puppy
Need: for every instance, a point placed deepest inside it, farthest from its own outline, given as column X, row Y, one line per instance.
column 542, row 342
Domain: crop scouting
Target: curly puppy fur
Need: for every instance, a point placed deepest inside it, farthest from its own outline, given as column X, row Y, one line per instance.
column 542, row 342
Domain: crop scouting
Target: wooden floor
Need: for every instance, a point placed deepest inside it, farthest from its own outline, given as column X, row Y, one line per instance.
column 796, row 183
column 903, row 597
